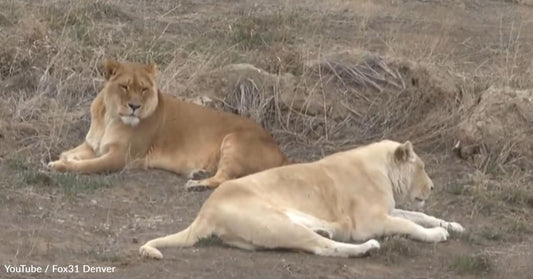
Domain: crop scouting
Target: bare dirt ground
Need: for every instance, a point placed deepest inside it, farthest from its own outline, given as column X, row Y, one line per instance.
column 334, row 74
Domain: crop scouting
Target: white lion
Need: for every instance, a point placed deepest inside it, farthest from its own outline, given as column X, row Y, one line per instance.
column 316, row 207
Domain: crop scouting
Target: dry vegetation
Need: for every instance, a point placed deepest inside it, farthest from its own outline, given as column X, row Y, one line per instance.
column 320, row 75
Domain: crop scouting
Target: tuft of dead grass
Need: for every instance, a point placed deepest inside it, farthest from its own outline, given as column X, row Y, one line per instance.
column 472, row 264
column 394, row 248
column 497, row 130
column 391, row 98
column 344, row 101
column 254, row 30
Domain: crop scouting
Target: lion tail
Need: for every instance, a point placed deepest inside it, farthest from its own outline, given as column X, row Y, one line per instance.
column 185, row 238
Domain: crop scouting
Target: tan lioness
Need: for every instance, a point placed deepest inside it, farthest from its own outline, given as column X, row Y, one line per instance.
column 134, row 124
column 315, row 207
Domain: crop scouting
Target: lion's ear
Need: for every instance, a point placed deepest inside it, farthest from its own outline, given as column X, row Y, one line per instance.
column 152, row 68
column 405, row 152
column 110, row 68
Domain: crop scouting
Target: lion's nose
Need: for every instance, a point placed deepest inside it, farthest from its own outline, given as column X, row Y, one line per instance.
column 134, row 106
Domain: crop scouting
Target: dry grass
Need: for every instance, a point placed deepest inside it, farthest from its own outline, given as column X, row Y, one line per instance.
column 472, row 264
column 377, row 96
column 353, row 102
column 395, row 248
column 70, row 185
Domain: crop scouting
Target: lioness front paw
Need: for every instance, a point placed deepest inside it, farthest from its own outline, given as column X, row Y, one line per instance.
column 437, row 234
column 150, row 252
column 59, row 166
column 372, row 244
column 196, row 186
column 198, row 174
column 453, row 227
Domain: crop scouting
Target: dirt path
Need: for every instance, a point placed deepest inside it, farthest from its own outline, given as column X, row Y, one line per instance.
column 106, row 227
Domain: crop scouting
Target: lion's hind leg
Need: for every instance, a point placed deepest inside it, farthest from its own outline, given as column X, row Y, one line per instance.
column 241, row 153
column 324, row 228
column 255, row 224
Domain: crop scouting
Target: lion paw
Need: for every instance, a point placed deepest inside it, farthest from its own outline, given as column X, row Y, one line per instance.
column 59, row 166
column 198, row 174
column 454, row 227
column 372, row 244
column 150, row 252
column 437, row 234
column 196, row 186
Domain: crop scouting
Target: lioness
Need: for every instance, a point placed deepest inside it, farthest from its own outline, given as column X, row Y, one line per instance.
column 315, row 207
column 134, row 124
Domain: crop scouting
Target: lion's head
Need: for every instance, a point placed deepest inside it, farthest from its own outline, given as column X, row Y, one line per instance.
column 410, row 181
column 130, row 91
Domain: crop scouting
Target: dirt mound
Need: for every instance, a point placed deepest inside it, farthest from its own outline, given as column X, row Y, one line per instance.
column 501, row 124
column 390, row 97
column 353, row 97
column 276, row 101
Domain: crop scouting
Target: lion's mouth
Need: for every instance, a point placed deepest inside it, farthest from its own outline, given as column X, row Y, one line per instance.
column 419, row 203
column 131, row 120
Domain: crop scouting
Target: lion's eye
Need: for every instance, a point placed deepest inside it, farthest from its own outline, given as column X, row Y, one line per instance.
column 124, row 87
column 145, row 90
